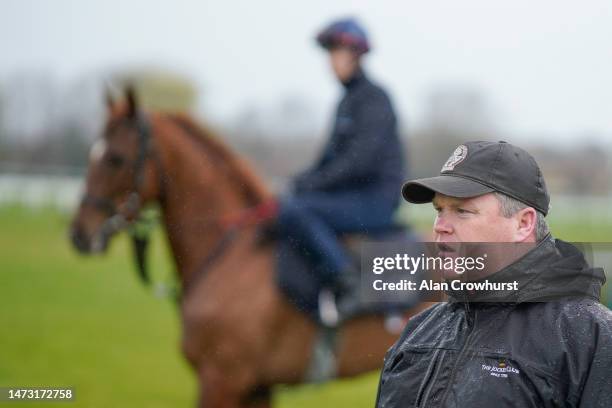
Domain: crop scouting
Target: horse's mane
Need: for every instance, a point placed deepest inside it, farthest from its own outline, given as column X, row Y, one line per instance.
column 254, row 189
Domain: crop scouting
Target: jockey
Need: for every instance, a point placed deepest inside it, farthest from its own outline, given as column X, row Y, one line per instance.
column 354, row 185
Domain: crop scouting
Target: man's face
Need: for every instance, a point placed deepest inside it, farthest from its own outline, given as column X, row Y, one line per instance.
column 344, row 62
column 476, row 219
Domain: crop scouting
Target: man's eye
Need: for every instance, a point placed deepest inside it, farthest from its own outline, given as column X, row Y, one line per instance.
column 462, row 211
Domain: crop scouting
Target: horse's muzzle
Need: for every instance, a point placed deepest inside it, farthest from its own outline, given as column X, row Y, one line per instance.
column 79, row 240
column 85, row 244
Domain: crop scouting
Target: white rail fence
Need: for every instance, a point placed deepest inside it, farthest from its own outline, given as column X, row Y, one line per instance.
column 63, row 192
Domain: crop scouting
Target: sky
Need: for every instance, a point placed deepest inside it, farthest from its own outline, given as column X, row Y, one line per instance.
column 545, row 66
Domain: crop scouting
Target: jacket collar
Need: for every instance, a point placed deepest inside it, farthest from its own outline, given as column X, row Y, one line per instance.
column 357, row 78
column 552, row 270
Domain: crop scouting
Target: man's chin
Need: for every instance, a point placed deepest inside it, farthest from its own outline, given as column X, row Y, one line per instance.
column 450, row 274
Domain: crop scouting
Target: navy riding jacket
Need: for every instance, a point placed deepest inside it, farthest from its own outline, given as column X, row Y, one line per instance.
column 364, row 151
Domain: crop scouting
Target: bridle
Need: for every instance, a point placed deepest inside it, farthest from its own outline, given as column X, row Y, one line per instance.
column 126, row 215
column 134, row 201
column 116, row 220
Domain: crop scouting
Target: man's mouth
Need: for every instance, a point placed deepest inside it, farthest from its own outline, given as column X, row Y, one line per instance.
column 445, row 250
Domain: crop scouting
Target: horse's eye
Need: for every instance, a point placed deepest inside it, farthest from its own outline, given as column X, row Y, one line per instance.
column 114, row 160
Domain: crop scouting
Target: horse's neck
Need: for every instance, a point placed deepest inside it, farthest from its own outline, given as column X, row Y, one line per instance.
column 201, row 188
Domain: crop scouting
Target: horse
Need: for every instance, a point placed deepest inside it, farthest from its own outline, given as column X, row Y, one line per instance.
column 240, row 334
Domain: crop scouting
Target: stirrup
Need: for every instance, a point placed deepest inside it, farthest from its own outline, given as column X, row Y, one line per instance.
column 395, row 323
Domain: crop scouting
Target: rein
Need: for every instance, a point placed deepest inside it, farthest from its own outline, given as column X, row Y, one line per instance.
column 232, row 224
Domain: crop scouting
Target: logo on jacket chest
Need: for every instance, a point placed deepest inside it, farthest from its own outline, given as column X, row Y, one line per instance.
column 501, row 370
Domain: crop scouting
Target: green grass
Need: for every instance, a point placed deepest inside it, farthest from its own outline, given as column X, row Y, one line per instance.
column 84, row 322
column 88, row 323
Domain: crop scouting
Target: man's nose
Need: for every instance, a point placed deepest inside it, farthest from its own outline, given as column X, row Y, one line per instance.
column 442, row 226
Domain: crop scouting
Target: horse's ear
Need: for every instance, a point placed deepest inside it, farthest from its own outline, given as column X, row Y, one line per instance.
column 130, row 95
column 108, row 98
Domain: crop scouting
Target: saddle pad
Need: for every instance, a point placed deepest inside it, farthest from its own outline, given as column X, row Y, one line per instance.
column 297, row 278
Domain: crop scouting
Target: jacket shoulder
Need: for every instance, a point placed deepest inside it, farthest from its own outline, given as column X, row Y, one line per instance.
column 379, row 92
column 573, row 322
column 584, row 329
column 583, row 312
column 586, row 333
column 373, row 92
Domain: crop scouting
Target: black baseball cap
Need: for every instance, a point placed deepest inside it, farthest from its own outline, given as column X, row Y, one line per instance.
column 477, row 168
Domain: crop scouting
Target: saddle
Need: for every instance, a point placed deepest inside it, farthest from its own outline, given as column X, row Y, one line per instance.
column 298, row 279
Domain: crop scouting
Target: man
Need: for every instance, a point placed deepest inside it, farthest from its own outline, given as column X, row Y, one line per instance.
column 549, row 344
column 353, row 185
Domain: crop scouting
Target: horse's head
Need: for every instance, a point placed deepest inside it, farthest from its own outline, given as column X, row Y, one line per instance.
column 120, row 178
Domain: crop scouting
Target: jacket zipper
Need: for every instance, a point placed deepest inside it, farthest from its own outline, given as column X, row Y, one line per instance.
column 459, row 357
column 423, row 396
column 429, row 379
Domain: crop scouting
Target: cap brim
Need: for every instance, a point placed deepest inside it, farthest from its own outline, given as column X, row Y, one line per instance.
column 423, row 190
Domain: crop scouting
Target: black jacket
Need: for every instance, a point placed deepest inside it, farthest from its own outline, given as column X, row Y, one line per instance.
column 548, row 346
column 364, row 149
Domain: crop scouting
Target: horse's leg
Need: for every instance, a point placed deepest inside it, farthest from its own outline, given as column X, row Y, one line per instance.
column 216, row 389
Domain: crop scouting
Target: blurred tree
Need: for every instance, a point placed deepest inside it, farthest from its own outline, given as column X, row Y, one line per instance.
column 454, row 109
column 576, row 170
column 453, row 114
column 31, row 103
column 2, row 131
column 160, row 90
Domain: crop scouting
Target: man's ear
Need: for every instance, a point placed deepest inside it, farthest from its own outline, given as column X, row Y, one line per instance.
column 527, row 219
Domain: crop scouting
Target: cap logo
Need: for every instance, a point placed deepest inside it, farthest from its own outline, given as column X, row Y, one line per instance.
column 457, row 157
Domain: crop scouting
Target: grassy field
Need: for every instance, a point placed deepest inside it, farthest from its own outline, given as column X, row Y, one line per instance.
column 88, row 323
